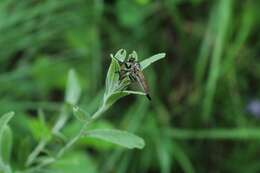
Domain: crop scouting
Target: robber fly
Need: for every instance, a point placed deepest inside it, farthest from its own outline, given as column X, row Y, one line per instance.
column 131, row 67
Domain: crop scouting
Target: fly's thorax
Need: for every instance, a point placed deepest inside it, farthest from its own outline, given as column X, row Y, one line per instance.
column 128, row 65
column 136, row 67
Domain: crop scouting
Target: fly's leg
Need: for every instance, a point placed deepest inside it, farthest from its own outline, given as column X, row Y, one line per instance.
column 123, row 73
column 132, row 78
column 123, row 78
column 124, row 83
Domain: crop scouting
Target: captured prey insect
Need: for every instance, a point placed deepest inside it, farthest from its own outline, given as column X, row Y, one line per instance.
column 130, row 67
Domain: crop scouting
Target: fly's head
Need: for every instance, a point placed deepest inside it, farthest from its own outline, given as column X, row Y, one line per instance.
column 132, row 63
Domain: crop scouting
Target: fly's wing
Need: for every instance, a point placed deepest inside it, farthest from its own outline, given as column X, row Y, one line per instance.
column 143, row 84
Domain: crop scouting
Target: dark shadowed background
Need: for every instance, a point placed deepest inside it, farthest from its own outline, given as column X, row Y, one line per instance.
column 205, row 108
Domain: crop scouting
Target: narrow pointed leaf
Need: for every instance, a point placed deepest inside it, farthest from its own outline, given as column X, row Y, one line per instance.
column 112, row 77
column 4, row 120
column 145, row 63
column 4, row 133
column 6, row 144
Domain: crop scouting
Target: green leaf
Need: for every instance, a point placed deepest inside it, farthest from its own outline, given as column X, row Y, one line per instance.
column 94, row 143
column 4, row 120
column 81, row 115
column 112, row 77
column 5, row 136
column 118, row 137
column 6, row 144
column 145, row 63
column 46, row 132
column 120, row 55
column 39, row 128
column 111, row 99
column 76, row 162
column 119, row 94
column 73, row 89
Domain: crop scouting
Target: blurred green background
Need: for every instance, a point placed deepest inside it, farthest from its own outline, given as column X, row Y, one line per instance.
column 198, row 119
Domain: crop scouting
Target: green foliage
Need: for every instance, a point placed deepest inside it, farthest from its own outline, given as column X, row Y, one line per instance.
column 113, row 92
column 39, row 127
column 53, row 68
column 74, row 162
column 6, row 144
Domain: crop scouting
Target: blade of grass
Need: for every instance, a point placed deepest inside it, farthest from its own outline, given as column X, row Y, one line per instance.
column 182, row 158
column 224, row 12
column 215, row 134
column 205, row 49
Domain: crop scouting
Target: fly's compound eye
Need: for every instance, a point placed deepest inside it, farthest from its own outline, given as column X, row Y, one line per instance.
column 133, row 57
column 128, row 65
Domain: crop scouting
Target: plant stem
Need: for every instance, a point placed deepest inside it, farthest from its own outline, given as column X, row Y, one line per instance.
column 96, row 115
column 35, row 152
column 41, row 145
column 81, row 132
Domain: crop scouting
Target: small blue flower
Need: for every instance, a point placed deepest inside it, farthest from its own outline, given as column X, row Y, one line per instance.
column 253, row 107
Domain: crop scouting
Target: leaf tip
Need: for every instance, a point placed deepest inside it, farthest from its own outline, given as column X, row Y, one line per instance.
column 10, row 114
column 141, row 144
column 163, row 54
column 75, row 108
